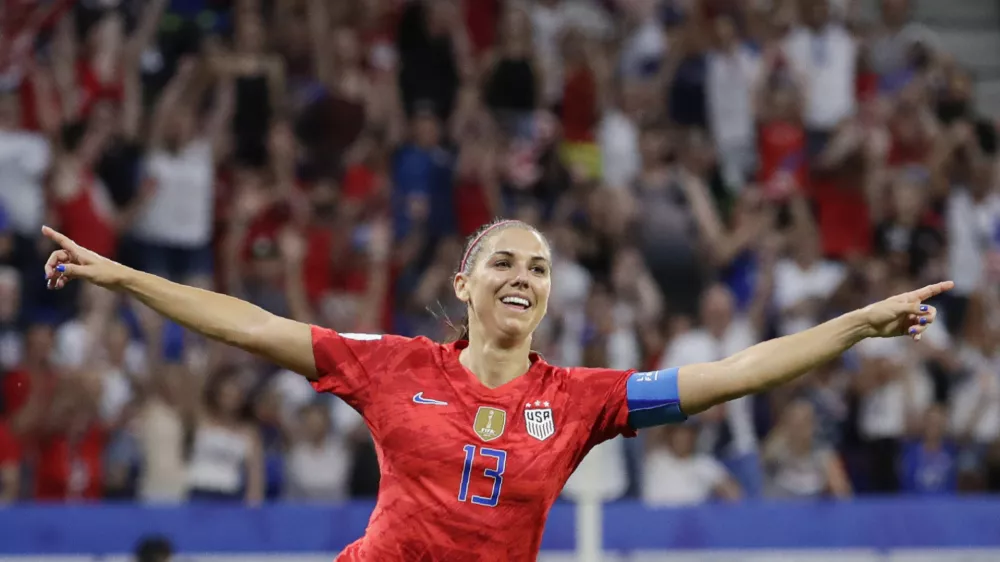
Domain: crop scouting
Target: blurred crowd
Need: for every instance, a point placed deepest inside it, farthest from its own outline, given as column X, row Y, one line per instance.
column 710, row 173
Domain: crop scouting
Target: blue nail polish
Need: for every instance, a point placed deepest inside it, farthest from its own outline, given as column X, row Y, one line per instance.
column 61, row 268
column 913, row 331
column 923, row 308
column 923, row 321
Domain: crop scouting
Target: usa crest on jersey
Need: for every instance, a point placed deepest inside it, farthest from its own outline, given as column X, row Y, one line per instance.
column 538, row 420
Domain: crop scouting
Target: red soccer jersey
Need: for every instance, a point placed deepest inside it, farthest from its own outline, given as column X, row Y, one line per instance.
column 468, row 472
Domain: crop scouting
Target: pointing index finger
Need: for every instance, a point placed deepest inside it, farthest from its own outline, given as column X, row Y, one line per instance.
column 932, row 290
column 57, row 237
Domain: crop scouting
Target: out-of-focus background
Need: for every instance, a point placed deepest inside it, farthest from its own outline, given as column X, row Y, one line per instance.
column 711, row 173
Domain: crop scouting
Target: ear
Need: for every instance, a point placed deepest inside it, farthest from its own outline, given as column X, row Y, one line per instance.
column 461, row 284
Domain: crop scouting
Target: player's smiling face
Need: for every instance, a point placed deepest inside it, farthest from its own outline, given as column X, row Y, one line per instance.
column 508, row 288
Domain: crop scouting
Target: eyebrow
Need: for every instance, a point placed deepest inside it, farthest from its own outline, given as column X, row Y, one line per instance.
column 510, row 254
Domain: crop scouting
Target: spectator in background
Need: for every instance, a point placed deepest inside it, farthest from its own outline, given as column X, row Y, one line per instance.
column 929, row 464
column 513, row 85
column 275, row 441
column 804, row 281
column 799, row 466
column 975, row 392
column 645, row 41
column 434, row 53
column 722, row 331
column 318, row 460
column 335, row 118
column 11, row 338
column 824, row 54
column 894, row 392
column 433, row 301
column 618, row 135
column 973, row 219
column 161, row 431
column 71, row 441
column 732, row 73
column 175, row 227
column 781, row 137
column 10, row 465
column 81, row 201
column 421, row 200
column 24, row 160
column 226, row 459
column 675, row 474
column 259, row 84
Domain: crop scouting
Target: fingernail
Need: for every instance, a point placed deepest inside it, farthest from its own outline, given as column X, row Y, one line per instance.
column 61, row 268
column 923, row 321
column 923, row 308
column 913, row 331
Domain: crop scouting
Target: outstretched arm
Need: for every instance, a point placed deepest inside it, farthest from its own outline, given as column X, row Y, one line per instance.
column 780, row 360
column 220, row 317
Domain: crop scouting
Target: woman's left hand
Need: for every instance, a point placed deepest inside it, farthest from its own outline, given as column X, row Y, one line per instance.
column 904, row 314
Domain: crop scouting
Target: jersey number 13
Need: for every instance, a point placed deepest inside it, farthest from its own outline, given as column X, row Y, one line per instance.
column 496, row 474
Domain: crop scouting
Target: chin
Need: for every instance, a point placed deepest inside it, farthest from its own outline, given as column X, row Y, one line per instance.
column 515, row 328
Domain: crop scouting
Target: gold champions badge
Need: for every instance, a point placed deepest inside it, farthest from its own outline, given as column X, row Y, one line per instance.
column 490, row 423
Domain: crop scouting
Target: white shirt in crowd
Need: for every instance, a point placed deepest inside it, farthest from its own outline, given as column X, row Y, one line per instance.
column 978, row 393
column 601, row 474
column 729, row 90
column 672, row 481
column 179, row 213
column 884, row 410
column 972, row 227
column 699, row 346
column 644, row 47
column 794, row 285
column 826, row 60
column 618, row 137
column 218, row 458
column 799, row 476
column 24, row 159
column 319, row 473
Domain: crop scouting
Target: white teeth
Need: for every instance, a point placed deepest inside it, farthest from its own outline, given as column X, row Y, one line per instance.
column 516, row 300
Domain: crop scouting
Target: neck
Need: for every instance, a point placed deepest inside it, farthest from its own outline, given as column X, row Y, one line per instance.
column 493, row 363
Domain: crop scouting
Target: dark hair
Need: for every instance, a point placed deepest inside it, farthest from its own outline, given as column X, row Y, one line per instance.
column 473, row 245
column 214, row 387
column 153, row 549
column 71, row 136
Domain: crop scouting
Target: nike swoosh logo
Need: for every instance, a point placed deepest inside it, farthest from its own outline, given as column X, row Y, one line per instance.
column 419, row 399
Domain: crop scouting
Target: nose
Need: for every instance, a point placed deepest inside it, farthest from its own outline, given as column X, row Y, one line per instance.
column 520, row 277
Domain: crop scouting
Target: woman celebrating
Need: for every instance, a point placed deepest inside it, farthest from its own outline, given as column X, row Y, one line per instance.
column 477, row 437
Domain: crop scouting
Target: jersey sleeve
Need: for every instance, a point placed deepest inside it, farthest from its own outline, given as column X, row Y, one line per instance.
column 627, row 401
column 348, row 365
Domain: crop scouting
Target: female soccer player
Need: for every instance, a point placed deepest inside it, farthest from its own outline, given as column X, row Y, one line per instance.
column 476, row 438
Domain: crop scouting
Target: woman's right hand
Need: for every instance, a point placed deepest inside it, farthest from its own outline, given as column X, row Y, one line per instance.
column 73, row 261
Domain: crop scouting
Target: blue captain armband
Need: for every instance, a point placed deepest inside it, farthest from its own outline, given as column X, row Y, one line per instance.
column 653, row 399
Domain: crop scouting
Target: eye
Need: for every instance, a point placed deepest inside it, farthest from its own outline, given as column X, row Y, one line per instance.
column 502, row 263
column 539, row 269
